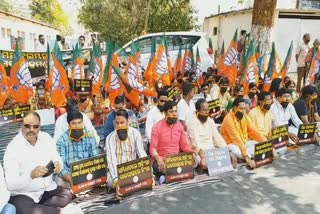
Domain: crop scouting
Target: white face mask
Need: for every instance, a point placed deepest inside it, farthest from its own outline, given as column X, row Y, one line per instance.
column 159, row 85
column 41, row 92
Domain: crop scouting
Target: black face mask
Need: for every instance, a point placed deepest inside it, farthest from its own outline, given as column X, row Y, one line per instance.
column 223, row 90
column 284, row 104
column 267, row 107
column 239, row 115
column 240, row 96
column 202, row 117
column 171, row 120
column 180, row 80
column 160, row 107
column 251, row 94
column 76, row 134
column 122, row 133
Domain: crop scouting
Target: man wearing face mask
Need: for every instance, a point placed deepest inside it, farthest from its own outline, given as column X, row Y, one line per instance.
column 125, row 139
column 239, row 132
column 284, row 112
column 252, row 95
column 306, row 106
column 203, row 133
column 261, row 115
column 222, row 94
column 156, row 113
column 168, row 137
column 74, row 145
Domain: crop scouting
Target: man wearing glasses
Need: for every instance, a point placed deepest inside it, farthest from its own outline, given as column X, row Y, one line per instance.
column 28, row 178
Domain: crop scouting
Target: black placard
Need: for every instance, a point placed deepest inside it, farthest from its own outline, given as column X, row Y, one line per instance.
column 179, row 167
column 172, row 92
column 135, row 175
column 82, row 85
column 88, row 173
column 214, row 105
column 280, row 137
column 7, row 115
column 306, row 133
column 263, row 153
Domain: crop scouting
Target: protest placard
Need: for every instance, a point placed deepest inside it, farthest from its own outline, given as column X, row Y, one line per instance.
column 7, row 115
column 218, row 161
column 179, row 167
column 306, row 133
column 19, row 111
column 47, row 116
column 88, row 173
column 214, row 105
column 280, row 137
column 135, row 175
column 82, row 85
column 263, row 153
column 172, row 92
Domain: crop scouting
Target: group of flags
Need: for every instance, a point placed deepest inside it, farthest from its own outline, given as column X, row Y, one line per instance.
column 250, row 66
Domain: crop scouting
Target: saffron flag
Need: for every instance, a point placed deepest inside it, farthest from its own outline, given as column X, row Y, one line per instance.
column 78, row 63
column 148, row 73
column 198, row 64
column 20, row 83
column 270, row 70
column 3, row 83
column 96, row 69
column 188, row 62
column 178, row 62
column 60, row 83
column 220, row 61
column 313, row 68
column 251, row 72
column 230, row 60
column 286, row 64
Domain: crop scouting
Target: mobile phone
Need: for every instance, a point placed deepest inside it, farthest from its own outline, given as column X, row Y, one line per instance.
column 50, row 167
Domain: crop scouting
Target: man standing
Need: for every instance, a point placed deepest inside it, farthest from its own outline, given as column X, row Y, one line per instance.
column 301, row 54
column 186, row 106
column 261, row 115
column 237, row 129
column 156, row 113
column 124, row 144
column 41, row 47
column 75, row 144
column 64, row 44
column 28, row 179
column 168, row 138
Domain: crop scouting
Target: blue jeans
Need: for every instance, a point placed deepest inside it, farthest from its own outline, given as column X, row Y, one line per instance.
column 8, row 209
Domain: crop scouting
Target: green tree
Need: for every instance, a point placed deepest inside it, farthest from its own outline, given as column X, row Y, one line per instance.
column 123, row 20
column 49, row 11
column 5, row 6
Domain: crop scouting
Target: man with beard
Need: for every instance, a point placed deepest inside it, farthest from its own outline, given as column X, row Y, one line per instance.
column 29, row 181
column 74, row 145
column 237, row 129
column 261, row 115
column 156, row 113
column 124, row 144
column 168, row 138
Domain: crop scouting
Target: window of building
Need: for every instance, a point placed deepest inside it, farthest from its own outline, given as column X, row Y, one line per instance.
column 3, row 33
column 215, row 31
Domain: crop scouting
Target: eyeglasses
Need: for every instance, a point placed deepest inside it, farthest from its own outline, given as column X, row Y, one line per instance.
column 28, row 126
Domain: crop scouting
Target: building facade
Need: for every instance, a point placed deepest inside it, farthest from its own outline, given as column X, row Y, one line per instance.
column 25, row 29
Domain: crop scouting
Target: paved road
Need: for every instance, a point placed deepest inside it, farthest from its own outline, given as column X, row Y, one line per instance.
column 289, row 185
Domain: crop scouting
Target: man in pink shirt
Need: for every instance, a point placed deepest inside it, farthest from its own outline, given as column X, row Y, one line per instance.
column 167, row 138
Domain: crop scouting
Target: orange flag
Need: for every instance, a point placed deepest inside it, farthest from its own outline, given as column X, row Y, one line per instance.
column 78, row 63
column 96, row 69
column 230, row 60
column 20, row 83
column 3, row 83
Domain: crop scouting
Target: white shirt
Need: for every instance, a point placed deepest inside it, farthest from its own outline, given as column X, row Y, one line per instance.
column 282, row 116
column 208, row 98
column 62, row 126
column 214, row 91
column 205, row 135
column 4, row 193
column 122, row 152
column 21, row 158
column 153, row 116
column 41, row 48
column 185, row 111
column 302, row 51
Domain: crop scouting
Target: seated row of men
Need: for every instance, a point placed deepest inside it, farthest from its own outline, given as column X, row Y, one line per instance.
column 31, row 150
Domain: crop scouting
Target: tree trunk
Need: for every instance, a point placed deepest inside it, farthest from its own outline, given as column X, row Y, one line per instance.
column 262, row 23
column 146, row 22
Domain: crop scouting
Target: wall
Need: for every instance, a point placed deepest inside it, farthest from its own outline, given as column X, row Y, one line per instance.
column 23, row 28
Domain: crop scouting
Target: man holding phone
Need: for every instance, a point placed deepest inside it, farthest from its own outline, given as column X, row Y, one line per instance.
column 30, row 160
